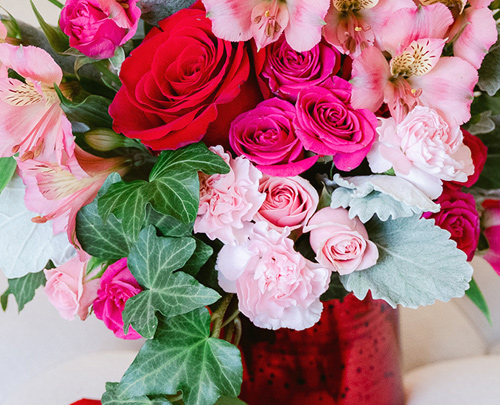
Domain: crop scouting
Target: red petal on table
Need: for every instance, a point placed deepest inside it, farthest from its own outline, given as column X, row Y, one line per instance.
column 87, row 402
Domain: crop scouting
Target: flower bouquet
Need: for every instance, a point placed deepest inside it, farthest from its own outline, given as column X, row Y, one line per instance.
column 176, row 168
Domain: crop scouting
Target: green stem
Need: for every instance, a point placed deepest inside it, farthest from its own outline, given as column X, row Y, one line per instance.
column 174, row 398
column 231, row 318
column 218, row 315
column 56, row 3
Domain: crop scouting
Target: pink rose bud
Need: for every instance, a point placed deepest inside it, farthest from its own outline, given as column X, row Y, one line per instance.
column 70, row 290
column 97, row 27
column 290, row 201
column 117, row 286
column 340, row 243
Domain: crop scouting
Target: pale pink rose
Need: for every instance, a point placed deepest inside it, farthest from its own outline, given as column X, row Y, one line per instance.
column 290, row 201
column 70, row 289
column 97, row 27
column 117, row 285
column 276, row 286
column 341, row 243
column 422, row 149
column 228, row 202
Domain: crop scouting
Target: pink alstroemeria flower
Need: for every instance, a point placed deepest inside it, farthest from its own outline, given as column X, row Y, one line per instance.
column 58, row 192
column 353, row 25
column 416, row 74
column 32, row 122
column 266, row 20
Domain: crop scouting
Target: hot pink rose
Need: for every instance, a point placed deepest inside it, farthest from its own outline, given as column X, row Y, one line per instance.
column 423, row 149
column 290, row 201
column 341, row 243
column 459, row 216
column 491, row 226
column 70, row 289
column 276, row 286
column 286, row 72
column 266, row 136
column 228, row 202
column 97, row 27
column 328, row 125
column 117, row 286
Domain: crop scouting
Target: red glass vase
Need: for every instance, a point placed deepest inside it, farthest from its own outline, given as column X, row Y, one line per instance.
column 351, row 356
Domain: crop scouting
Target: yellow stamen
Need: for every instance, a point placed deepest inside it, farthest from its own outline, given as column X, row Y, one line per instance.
column 357, row 29
column 267, row 13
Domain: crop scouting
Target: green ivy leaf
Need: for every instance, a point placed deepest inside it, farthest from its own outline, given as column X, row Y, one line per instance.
column 230, row 401
column 183, row 357
column 105, row 240
column 23, row 289
column 58, row 40
column 92, row 111
column 202, row 253
column 489, row 73
column 167, row 225
column 153, row 261
column 7, row 169
column 418, row 263
column 477, row 297
column 112, row 397
column 173, row 188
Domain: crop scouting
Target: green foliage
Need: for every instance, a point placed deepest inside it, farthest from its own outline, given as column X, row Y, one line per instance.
column 157, row 10
column 336, row 290
column 477, row 297
column 490, row 176
column 489, row 73
column 112, row 397
column 7, row 169
column 418, row 263
column 172, row 189
column 23, row 289
column 92, row 111
column 13, row 29
column 58, row 40
column 153, row 261
column 183, row 357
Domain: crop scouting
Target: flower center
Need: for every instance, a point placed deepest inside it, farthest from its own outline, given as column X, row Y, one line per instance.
column 348, row 5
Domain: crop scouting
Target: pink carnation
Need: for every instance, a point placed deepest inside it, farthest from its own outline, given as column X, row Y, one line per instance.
column 276, row 286
column 70, row 289
column 228, row 202
column 290, row 201
column 422, row 149
column 97, row 27
column 117, row 286
column 341, row 243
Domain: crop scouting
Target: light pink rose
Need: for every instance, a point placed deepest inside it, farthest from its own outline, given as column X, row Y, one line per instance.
column 290, row 201
column 70, row 290
column 97, row 27
column 276, row 286
column 422, row 149
column 228, row 202
column 341, row 243
column 117, row 286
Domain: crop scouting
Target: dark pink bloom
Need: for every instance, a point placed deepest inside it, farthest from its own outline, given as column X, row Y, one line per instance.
column 117, row 286
column 459, row 216
column 286, row 72
column 328, row 124
column 266, row 136
column 491, row 226
column 479, row 153
column 97, row 27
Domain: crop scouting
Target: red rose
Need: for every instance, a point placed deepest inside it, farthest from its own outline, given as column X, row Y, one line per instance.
column 479, row 154
column 174, row 81
column 459, row 216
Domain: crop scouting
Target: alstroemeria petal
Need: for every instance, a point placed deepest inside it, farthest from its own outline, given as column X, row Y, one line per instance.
column 231, row 19
column 478, row 35
column 307, row 18
column 448, row 89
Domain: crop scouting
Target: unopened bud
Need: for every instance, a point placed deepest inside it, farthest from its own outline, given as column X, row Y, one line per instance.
column 104, row 140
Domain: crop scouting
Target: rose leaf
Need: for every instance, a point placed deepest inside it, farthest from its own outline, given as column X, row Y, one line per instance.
column 153, row 261
column 173, row 188
column 183, row 357
column 418, row 263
